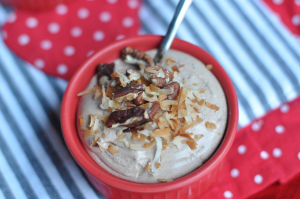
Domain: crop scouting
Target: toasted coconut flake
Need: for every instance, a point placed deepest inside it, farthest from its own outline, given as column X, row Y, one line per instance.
column 198, row 137
column 164, row 180
column 144, row 132
column 202, row 90
column 146, row 106
column 90, row 132
column 154, row 88
column 169, row 61
column 86, row 92
column 164, row 133
column 182, row 65
column 157, row 153
column 175, row 69
column 194, row 100
column 96, row 138
column 135, row 135
column 201, row 102
column 191, row 142
column 103, row 135
column 81, row 122
column 114, row 75
column 183, row 96
column 210, row 126
column 158, row 165
column 147, row 145
column 148, row 166
column 209, row 66
column 96, row 124
column 212, row 106
column 199, row 119
column 113, row 150
column 177, row 142
column 120, row 137
column 187, row 126
column 149, row 99
column 162, row 97
column 165, row 105
column 166, row 91
column 142, row 138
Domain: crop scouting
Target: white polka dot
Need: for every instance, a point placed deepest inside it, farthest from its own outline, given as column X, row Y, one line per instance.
column 105, row 16
column 133, row 4
column 46, row 44
column 277, row 152
column 127, row 22
column 258, row 179
column 284, row 108
column 98, row 35
column 90, row 53
column 83, row 13
column 39, row 63
column 299, row 155
column 278, row 1
column 69, row 50
column 12, row 18
column 31, row 22
column 242, row 149
column 62, row 69
column 297, row 2
column 296, row 20
column 61, row 9
column 264, row 155
column 256, row 126
column 120, row 37
column 228, row 194
column 53, row 28
column 76, row 31
column 279, row 129
column 234, row 173
column 23, row 39
column 4, row 34
column 112, row 1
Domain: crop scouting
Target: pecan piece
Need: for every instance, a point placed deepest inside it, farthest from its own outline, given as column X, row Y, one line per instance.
column 159, row 76
column 128, row 93
column 176, row 87
column 104, row 71
column 130, row 118
column 154, row 109
column 139, row 99
column 134, row 56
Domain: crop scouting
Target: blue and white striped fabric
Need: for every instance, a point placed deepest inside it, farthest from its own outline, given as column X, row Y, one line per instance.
column 259, row 54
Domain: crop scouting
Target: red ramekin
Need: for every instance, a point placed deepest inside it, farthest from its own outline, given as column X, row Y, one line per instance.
column 189, row 186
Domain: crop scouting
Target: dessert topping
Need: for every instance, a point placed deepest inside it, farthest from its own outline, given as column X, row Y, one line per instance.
column 158, row 75
column 156, row 110
column 135, row 56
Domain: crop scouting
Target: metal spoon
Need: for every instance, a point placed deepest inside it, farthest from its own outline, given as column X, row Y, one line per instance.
column 180, row 11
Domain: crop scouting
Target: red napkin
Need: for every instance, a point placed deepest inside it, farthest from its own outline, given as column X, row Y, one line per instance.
column 265, row 152
column 59, row 40
column 289, row 13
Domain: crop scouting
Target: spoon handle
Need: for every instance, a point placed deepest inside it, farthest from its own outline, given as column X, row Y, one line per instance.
column 180, row 11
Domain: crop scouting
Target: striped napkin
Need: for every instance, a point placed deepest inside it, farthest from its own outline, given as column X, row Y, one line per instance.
column 259, row 53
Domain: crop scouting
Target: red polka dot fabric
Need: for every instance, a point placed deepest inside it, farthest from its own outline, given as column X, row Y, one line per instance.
column 289, row 13
column 259, row 157
column 59, row 40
